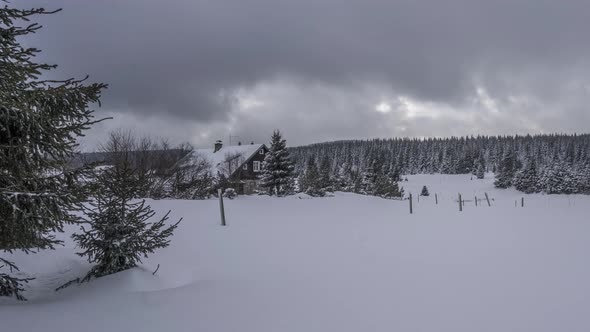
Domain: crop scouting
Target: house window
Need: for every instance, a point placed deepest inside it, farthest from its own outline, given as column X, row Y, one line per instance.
column 261, row 151
column 256, row 166
column 245, row 167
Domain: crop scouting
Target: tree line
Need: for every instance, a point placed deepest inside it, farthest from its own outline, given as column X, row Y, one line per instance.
column 553, row 164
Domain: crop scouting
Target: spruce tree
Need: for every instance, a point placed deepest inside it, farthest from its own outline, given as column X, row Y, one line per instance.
column 40, row 122
column 369, row 179
column 481, row 170
column 424, row 191
column 326, row 182
column 386, row 187
column 526, row 179
column 343, row 180
column 506, row 170
column 311, row 180
column 559, row 179
column 118, row 230
column 278, row 171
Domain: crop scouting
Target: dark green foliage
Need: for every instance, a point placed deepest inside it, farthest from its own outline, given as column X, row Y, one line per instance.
column 369, row 179
column 118, row 230
column 558, row 179
column 311, row 183
column 396, row 173
column 39, row 124
column 325, row 177
column 480, row 172
column 11, row 286
column 278, row 171
column 526, row 180
column 386, row 187
column 424, row 191
column 506, row 170
column 230, row 193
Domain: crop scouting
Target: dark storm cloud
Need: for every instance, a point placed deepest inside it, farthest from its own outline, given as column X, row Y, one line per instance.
column 184, row 58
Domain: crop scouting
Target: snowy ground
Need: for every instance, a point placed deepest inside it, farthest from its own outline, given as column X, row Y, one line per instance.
column 344, row 263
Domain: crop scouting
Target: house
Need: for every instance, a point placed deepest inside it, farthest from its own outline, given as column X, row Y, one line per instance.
column 241, row 164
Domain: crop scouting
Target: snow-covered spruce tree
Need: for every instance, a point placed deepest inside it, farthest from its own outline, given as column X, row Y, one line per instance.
column 386, row 187
column 396, row 173
column 311, row 183
column 39, row 124
column 369, row 179
column 526, row 179
column 480, row 173
column 278, row 171
column 424, row 191
column 325, row 170
column 118, row 229
column 558, row 179
column 506, row 170
column 584, row 178
column 342, row 179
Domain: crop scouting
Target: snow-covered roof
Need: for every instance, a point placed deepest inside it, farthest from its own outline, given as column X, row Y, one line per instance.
column 218, row 159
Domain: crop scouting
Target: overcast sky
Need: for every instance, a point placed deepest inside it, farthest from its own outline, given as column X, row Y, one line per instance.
column 322, row 70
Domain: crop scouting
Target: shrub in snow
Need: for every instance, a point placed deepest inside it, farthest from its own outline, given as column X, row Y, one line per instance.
column 230, row 193
column 424, row 191
column 40, row 122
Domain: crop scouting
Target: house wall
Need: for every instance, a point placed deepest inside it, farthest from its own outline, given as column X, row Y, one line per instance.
column 249, row 174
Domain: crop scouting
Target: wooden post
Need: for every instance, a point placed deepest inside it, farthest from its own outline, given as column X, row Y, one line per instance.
column 522, row 202
column 488, row 199
column 221, row 209
column 411, row 207
column 460, row 203
column 515, row 203
column 475, row 200
column 418, row 198
column 436, row 198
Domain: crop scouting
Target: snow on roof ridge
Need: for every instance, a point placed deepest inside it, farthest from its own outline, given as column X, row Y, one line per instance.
column 216, row 159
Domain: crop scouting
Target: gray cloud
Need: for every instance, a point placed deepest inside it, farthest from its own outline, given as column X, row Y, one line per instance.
column 183, row 61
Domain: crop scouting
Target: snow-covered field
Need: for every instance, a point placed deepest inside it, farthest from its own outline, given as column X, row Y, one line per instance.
column 343, row 263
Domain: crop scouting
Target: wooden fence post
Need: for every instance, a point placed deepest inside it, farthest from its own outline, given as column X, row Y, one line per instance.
column 460, row 203
column 488, row 199
column 475, row 200
column 436, row 198
column 411, row 207
column 221, row 209
column 522, row 202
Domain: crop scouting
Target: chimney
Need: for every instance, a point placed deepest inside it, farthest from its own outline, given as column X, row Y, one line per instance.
column 218, row 145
